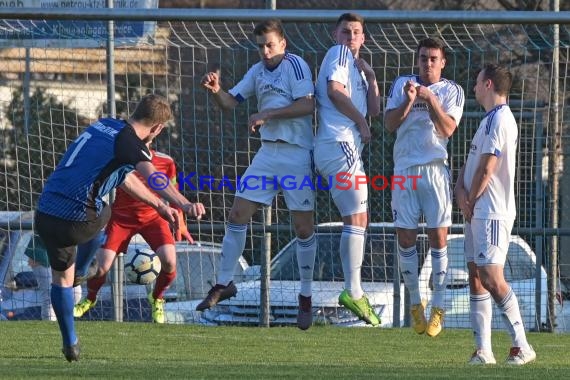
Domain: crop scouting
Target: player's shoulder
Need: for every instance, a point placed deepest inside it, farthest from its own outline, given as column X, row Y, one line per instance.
column 297, row 65
column 451, row 85
column 161, row 156
column 341, row 53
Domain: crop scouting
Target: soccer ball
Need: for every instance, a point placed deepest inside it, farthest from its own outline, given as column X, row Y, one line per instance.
column 142, row 266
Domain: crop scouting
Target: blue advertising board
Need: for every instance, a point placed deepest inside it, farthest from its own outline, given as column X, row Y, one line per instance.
column 77, row 34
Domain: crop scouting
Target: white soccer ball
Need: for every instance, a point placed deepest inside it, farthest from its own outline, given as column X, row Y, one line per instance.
column 142, row 266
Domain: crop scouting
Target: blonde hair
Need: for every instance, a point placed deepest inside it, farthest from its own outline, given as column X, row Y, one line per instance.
column 152, row 109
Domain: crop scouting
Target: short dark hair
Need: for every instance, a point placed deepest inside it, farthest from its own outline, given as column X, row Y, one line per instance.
column 500, row 76
column 432, row 43
column 350, row 17
column 152, row 109
column 269, row 26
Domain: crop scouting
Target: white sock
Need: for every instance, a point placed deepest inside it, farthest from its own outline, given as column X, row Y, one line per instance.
column 481, row 313
column 409, row 269
column 511, row 314
column 306, row 252
column 352, row 254
column 439, row 274
column 232, row 247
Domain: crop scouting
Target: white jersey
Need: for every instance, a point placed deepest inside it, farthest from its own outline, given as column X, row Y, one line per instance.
column 417, row 140
column 497, row 135
column 339, row 65
column 278, row 88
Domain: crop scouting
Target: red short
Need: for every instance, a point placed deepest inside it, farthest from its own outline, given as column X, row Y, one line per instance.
column 156, row 232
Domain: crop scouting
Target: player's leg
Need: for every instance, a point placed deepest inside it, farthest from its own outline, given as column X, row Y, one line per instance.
column 257, row 186
column 158, row 235
column 294, row 169
column 306, row 253
column 60, row 238
column 85, row 262
column 480, row 306
column 350, row 196
column 490, row 266
column 115, row 239
column 434, row 193
column 406, row 213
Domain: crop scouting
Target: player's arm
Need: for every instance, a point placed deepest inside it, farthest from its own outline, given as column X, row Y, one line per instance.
column 211, row 81
column 136, row 189
column 485, row 169
column 338, row 95
column 373, row 94
column 443, row 123
column 169, row 192
column 394, row 117
column 300, row 107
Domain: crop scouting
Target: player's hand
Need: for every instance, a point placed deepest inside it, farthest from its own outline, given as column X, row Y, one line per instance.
column 411, row 90
column 170, row 215
column 256, row 120
column 366, row 69
column 182, row 232
column 211, row 81
column 365, row 134
column 195, row 210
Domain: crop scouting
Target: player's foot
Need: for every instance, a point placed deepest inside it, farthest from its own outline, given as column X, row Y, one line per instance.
column 83, row 307
column 435, row 324
column 419, row 322
column 361, row 308
column 157, row 306
column 71, row 353
column 481, row 357
column 519, row 356
column 305, row 313
column 81, row 278
column 218, row 293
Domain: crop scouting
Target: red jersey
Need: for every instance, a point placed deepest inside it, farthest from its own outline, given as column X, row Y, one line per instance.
column 135, row 211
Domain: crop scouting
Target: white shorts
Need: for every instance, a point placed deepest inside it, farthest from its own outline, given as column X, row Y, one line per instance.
column 487, row 241
column 276, row 167
column 426, row 190
column 338, row 165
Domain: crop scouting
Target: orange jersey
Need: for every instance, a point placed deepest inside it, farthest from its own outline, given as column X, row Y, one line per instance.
column 135, row 211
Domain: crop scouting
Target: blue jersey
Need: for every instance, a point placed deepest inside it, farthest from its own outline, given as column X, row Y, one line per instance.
column 94, row 164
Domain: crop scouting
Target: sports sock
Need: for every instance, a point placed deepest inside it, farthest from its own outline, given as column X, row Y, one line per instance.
column 93, row 286
column 511, row 314
column 162, row 283
column 306, row 252
column 232, row 247
column 351, row 254
column 86, row 254
column 481, row 313
column 62, row 301
column 409, row 269
column 439, row 273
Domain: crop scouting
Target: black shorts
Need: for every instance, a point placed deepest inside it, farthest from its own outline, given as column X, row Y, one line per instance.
column 61, row 236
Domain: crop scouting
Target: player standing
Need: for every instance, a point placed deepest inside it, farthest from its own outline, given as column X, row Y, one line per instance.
column 283, row 85
column 347, row 91
column 485, row 192
column 424, row 110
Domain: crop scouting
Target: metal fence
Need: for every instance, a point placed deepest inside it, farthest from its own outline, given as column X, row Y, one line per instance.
column 50, row 91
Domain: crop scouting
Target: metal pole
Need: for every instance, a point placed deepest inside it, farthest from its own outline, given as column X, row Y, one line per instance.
column 555, row 172
column 539, row 217
column 118, row 272
column 271, row 4
column 265, row 281
column 26, row 93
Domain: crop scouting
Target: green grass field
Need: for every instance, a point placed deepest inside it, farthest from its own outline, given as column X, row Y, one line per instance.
column 142, row 350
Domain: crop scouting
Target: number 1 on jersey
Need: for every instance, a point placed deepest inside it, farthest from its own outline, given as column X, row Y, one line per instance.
column 81, row 140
